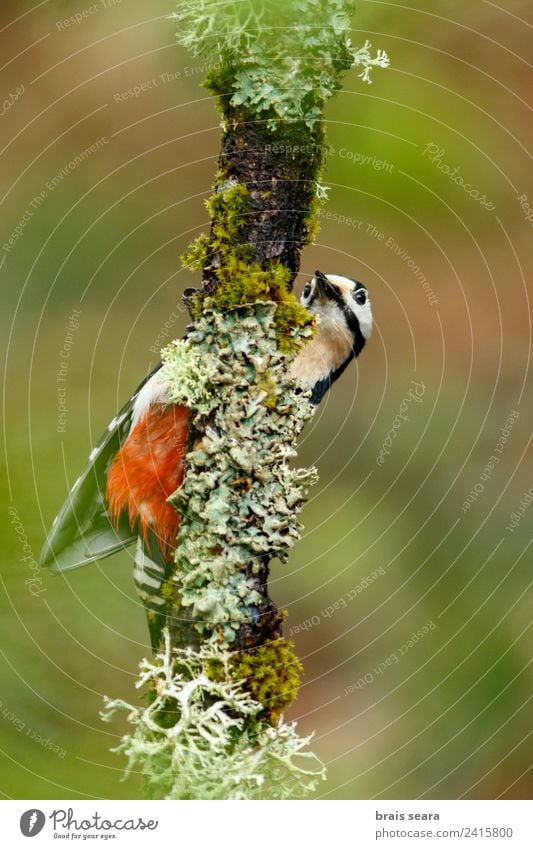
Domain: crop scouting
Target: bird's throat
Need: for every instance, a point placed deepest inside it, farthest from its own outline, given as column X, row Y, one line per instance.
column 324, row 356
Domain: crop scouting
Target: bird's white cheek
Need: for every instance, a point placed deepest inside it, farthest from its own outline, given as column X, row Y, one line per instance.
column 365, row 323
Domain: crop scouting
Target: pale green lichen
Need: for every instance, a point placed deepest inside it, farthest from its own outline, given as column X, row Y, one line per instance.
column 240, row 498
column 282, row 59
column 188, row 373
column 200, row 737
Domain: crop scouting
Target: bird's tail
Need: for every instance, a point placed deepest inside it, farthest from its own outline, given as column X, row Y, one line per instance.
column 152, row 572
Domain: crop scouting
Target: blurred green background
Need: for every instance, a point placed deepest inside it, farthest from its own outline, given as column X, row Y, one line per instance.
column 447, row 716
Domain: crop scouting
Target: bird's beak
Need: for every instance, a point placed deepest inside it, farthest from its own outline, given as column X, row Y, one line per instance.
column 325, row 289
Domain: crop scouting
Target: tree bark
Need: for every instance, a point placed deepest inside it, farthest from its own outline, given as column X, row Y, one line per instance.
column 280, row 174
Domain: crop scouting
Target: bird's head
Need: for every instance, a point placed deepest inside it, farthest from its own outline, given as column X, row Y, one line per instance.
column 341, row 304
column 344, row 314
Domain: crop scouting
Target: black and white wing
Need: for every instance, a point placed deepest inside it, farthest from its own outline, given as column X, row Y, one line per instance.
column 82, row 531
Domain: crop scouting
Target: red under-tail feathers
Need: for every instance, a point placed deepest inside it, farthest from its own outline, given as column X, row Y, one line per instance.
column 147, row 469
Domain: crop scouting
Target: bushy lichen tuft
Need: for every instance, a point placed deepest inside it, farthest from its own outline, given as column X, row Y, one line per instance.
column 260, row 68
column 201, row 735
column 188, row 373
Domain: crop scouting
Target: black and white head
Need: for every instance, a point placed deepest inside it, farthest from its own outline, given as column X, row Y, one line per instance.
column 344, row 314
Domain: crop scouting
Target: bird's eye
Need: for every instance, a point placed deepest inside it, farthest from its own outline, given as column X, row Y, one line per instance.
column 360, row 297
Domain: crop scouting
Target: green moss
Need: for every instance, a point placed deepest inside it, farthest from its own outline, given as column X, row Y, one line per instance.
column 241, row 281
column 168, row 590
column 220, row 81
column 311, row 221
column 195, row 257
column 229, row 208
column 271, row 674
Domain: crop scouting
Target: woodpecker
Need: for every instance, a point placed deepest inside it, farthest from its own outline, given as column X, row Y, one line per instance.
column 121, row 497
